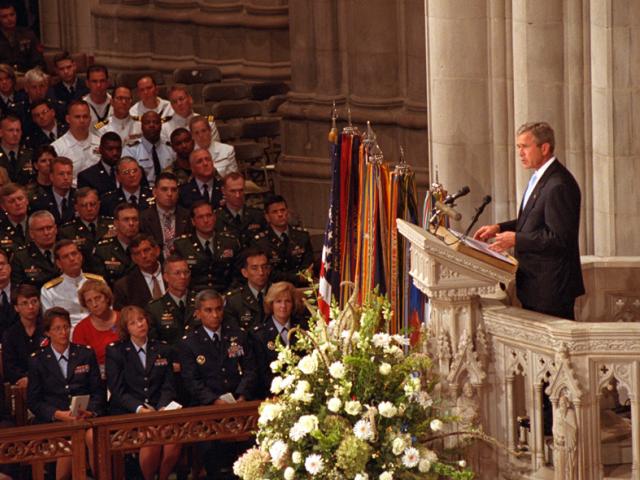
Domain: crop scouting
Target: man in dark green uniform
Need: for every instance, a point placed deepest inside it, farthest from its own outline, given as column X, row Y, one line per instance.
column 245, row 305
column 172, row 314
column 235, row 217
column 13, row 220
column 14, row 158
column 19, row 46
column 289, row 247
column 111, row 257
column 87, row 229
column 211, row 256
column 33, row 263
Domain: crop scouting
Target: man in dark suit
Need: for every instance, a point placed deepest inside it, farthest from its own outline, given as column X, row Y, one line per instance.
column 46, row 128
column 205, row 184
column 102, row 175
column 131, row 190
column 144, row 282
column 166, row 221
column 70, row 87
column 545, row 234
column 59, row 198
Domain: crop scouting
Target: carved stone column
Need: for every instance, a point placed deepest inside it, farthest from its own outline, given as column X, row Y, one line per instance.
column 511, row 425
column 537, row 428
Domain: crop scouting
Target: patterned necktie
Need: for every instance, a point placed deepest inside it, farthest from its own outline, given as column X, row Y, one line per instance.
column 156, row 160
column 169, row 232
column 205, row 192
column 156, row 290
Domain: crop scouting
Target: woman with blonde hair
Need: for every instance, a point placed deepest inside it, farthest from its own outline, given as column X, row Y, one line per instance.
column 283, row 308
column 100, row 327
column 140, row 379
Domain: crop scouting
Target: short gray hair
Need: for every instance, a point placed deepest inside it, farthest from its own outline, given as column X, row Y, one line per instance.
column 38, row 214
column 35, row 75
column 208, row 294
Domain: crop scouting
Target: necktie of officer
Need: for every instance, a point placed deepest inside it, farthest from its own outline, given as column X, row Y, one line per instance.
column 64, row 204
column 64, row 363
column 237, row 219
column 284, row 335
column 156, row 290
column 261, row 302
column 285, row 239
column 133, row 200
column 47, row 255
column 156, row 160
column 92, row 229
column 216, row 342
column 112, row 174
column 205, row 193
column 12, row 156
column 52, row 136
column 182, row 307
column 19, row 230
column 4, row 299
column 143, row 357
column 72, row 90
column 169, row 232
column 207, row 249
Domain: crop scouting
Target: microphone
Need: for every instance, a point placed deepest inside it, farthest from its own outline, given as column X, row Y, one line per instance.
column 460, row 193
column 448, row 211
column 486, row 200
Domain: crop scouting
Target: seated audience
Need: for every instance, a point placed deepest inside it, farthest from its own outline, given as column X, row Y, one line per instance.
column 70, row 87
column 100, row 327
column 182, row 103
column 18, row 45
column 58, row 198
column 182, row 145
column 13, row 217
column 102, row 175
column 57, row 373
column 205, row 183
column 22, row 338
column 120, row 121
column 98, row 98
column 8, row 315
column 41, row 162
column 8, row 95
column 147, row 91
column 133, row 188
column 15, row 158
column 45, row 127
column 140, row 379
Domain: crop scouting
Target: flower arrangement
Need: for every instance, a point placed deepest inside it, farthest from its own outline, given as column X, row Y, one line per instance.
column 350, row 402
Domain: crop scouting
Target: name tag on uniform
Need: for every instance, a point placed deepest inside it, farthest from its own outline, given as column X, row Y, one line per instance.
column 160, row 362
column 81, row 369
column 227, row 253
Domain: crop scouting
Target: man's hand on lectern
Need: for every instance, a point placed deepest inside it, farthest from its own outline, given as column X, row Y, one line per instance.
column 487, row 232
column 504, row 241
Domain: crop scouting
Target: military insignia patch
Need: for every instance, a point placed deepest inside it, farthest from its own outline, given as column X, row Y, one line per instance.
column 201, row 360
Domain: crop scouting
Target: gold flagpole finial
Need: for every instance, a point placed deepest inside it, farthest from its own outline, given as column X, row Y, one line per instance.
column 333, row 133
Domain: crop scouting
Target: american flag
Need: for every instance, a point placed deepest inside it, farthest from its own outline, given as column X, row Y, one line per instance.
column 329, row 268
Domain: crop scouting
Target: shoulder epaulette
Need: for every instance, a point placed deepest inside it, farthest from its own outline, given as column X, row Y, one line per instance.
column 93, row 276
column 260, row 235
column 226, row 233
column 135, row 118
column 105, row 241
column 101, row 124
column 21, row 247
column 183, row 236
column 298, row 228
column 53, row 283
column 68, row 224
column 231, row 292
column 133, row 144
column 166, row 119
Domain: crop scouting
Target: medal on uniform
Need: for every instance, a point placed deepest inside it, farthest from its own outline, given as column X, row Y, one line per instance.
column 201, row 360
column 271, row 345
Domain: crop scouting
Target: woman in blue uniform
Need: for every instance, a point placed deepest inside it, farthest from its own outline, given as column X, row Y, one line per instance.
column 140, row 379
column 58, row 372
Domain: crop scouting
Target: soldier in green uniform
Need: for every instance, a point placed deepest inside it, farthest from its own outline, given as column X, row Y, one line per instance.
column 236, row 217
column 13, row 221
column 111, row 257
column 172, row 314
column 87, row 229
column 211, row 256
column 14, row 158
column 289, row 247
column 244, row 306
column 33, row 263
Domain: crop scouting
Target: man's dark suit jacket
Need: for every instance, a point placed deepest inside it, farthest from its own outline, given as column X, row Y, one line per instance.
column 549, row 275
column 37, row 137
column 60, row 91
column 97, row 178
column 132, row 289
column 151, row 224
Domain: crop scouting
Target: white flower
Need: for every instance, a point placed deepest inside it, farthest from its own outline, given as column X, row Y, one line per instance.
column 337, row 370
column 276, row 385
column 308, row 364
column 387, row 409
column 412, row 385
column 334, row 404
column 308, row 422
column 269, row 412
column 401, row 340
column 384, row 369
column 381, row 340
column 314, row 464
column 301, row 393
column 362, row 430
column 462, row 463
column 296, row 433
column 394, row 351
column 361, row 476
column 275, row 365
column 386, row 476
column 430, row 455
column 296, row 457
column 411, row 457
column 398, row 445
column 289, row 473
column 352, row 407
column 436, row 425
column 424, row 465
column 278, row 452
column 423, row 399
column 288, row 381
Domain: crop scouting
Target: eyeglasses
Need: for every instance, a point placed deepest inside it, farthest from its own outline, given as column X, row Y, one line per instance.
column 131, row 171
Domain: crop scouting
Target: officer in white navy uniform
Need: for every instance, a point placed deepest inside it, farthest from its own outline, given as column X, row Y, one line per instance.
column 182, row 104
column 120, row 121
